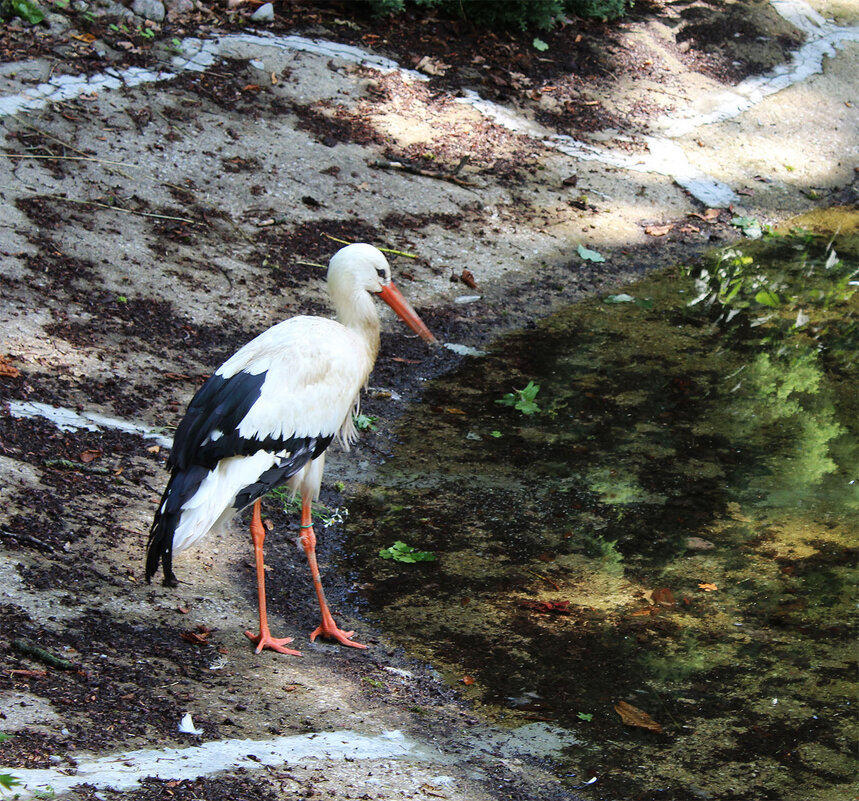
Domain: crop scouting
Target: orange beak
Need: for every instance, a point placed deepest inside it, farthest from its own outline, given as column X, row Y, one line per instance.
column 394, row 298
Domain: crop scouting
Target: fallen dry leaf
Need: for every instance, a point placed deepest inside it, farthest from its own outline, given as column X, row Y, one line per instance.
column 198, row 637
column 467, row 278
column 659, row 230
column 90, row 455
column 467, row 680
column 7, row 370
column 663, row 596
column 432, row 66
column 548, row 607
column 633, row 716
column 708, row 587
column 711, row 215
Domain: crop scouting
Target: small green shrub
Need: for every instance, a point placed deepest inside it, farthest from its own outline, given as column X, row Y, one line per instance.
column 25, row 9
column 515, row 14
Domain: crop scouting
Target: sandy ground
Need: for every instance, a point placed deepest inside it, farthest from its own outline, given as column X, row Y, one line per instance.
column 150, row 229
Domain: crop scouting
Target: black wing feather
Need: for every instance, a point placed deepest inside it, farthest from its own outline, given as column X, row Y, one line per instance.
column 219, row 405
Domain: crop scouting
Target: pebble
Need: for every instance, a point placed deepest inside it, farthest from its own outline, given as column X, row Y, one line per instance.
column 265, row 13
column 178, row 8
column 149, row 9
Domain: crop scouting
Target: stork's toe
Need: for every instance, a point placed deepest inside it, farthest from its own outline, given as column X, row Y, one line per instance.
column 265, row 640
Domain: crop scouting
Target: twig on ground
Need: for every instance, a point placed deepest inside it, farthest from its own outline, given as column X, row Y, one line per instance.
column 43, row 546
column 28, row 649
column 441, row 176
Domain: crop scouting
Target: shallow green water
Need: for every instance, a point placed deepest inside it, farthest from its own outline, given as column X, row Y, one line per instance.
column 675, row 529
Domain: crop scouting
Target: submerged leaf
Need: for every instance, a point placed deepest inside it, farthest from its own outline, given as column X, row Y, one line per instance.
column 548, row 607
column 633, row 716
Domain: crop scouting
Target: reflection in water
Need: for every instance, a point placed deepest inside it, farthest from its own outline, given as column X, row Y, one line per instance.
column 673, row 527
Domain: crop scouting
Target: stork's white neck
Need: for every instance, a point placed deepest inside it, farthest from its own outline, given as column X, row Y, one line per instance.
column 355, row 308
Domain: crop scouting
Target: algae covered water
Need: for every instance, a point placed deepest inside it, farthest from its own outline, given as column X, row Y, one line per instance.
column 637, row 522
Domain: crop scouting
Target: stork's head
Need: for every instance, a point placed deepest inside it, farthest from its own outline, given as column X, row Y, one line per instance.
column 361, row 266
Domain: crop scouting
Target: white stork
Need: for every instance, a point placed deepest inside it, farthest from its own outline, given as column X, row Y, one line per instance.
column 266, row 417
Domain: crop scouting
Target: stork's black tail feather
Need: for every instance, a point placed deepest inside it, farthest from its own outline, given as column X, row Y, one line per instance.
column 181, row 486
column 160, row 547
column 184, row 483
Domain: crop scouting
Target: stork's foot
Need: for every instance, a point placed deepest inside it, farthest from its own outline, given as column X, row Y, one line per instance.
column 265, row 640
column 331, row 632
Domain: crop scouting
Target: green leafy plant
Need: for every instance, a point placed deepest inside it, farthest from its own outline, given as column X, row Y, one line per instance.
column 586, row 716
column 8, row 781
column 767, row 297
column 25, row 9
column 291, row 505
column 749, row 226
column 597, row 547
column 365, row 422
column 400, row 552
column 522, row 399
column 510, row 14
column 539, row 44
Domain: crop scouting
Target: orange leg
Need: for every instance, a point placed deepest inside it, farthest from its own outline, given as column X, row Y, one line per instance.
column 328, row 628
column 264, row 638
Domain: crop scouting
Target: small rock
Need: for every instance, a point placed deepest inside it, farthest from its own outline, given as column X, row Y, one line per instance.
column 699, row 544
column 178, row 8
column 265, row 13
column 149, row 9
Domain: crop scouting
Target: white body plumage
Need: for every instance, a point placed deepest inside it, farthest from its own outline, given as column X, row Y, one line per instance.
column 314, row 372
